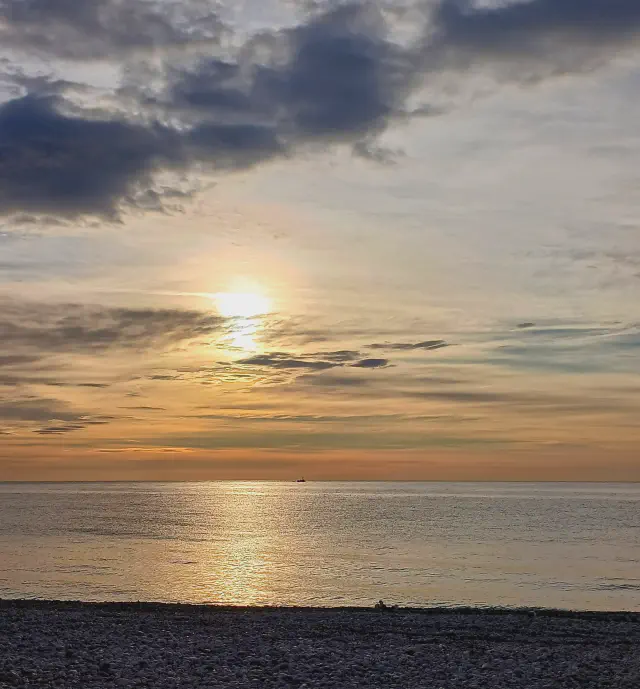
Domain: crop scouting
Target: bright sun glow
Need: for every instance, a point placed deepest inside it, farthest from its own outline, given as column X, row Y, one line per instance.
column 242, row 304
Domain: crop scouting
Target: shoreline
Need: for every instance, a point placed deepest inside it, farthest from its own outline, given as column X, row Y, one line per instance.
column 162, row 606
column 70, row 644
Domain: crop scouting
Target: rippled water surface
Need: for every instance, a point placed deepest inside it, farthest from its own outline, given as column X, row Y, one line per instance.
column 551, row 545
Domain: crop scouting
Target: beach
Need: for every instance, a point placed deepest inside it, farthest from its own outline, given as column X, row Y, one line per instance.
column 68, row 644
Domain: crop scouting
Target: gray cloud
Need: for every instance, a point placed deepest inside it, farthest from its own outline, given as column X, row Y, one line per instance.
column 68, row 328
column 570, row 349
column 335, row 381
column 410, row 346
column 478, row 396
column 105, row 28
column 283, row 360
column 84, row 422
column 338, row 77
column 9, row 380
column 517, row 401
column 64, row 165
column 17, row 359
column 526, row 41
column 42, row 409
column 317, row 361
column 371, row 363
column 72, row 165
column 59, row 430
column 339, row 356
column 41, row 341
column 517, row 28
column 50, row 411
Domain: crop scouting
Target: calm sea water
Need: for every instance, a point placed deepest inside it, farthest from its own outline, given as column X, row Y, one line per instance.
column 552, row 545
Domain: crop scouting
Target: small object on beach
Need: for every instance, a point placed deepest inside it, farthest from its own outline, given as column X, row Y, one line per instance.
column 381, row 605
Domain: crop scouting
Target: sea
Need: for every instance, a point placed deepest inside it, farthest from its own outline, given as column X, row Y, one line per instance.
column 553, row 545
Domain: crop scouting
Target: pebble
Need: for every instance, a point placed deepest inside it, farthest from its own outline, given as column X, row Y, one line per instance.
column 95, row 646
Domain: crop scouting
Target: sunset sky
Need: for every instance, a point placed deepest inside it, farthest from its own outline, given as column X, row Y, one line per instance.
column 271, row 238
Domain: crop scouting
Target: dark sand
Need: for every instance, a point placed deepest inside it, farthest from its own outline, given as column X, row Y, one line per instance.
column 55, row 644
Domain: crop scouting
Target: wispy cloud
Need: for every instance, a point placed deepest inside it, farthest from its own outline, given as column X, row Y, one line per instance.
column 58, row 416
column 426, row 345
column 286, row 361
column 31, row 329
column 318, row 361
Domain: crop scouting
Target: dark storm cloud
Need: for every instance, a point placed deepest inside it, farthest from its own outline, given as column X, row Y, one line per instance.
column 339, row 80
column 99, row 28
column 343, row 77
column 65, row 165
column 71, row 165
column 339, row 77
column 84, row 29
column 516, row 28
column 336, row 77
column 232, row 146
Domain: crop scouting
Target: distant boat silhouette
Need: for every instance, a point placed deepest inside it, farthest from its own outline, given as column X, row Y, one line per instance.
column 300, row 480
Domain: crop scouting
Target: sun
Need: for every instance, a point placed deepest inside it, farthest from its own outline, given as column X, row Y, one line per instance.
column 242, row 304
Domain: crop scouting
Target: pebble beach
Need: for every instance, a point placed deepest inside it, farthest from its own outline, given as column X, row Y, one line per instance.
column 68, row 645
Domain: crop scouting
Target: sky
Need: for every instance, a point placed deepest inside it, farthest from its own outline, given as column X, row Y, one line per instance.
column 341, row 240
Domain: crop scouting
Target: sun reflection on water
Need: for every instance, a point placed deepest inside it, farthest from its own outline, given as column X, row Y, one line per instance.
column 245, row 572
column 237, row 565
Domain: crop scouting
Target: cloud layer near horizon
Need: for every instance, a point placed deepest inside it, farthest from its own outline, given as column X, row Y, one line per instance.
column 338, row 77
